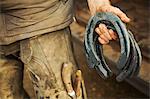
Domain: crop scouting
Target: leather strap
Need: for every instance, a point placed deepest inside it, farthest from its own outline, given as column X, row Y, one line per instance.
column 130, row 55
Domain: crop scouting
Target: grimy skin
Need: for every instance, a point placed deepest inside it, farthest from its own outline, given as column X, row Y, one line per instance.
column 105, row 35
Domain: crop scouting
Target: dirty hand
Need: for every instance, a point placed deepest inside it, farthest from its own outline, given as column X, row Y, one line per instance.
column 105, row 35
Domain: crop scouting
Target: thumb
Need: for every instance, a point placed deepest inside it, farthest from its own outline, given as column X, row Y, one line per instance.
column 121, row 14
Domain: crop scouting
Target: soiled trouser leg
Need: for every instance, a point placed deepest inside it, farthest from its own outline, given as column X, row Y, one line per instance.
column 44, row 56
column 11, row 78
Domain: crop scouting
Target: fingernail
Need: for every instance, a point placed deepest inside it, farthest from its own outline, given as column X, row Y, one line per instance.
column 128, row 19
column 101, row 41
column 125, row 19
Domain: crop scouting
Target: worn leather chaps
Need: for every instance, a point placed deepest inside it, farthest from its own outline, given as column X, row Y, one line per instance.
column 43, row 57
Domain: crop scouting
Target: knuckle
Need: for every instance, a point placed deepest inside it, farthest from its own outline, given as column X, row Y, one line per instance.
column 101, row 25
column 97, row 30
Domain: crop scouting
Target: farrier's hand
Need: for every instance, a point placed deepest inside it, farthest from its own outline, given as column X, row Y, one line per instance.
column 105, row 35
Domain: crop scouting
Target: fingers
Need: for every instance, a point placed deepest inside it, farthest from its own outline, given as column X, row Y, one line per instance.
column 113, row 34
column 102, row 41
column 104, row 30
column 105, row 35
column 101, row 34
column 116, row 11
column 122, row 15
